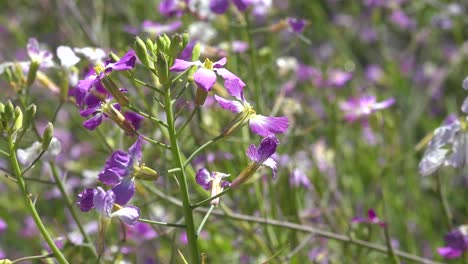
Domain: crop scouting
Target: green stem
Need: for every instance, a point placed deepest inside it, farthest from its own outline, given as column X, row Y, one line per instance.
column 4, row 153
column 188, row 214
column 134, row 109
column 33, row 258
column 69, row 205
column 443, row 201
column 202, row 147
column 188, row 120
column 210, row 199
column 160, row 223
column 30, row 205
column 157, row 143
column 203, row 222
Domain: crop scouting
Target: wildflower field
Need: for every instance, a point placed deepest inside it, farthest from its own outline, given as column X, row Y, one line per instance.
column 233, row 131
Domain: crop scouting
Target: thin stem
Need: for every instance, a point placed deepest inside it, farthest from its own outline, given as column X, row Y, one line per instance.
column 69, row 204
column 154, row 88
column 390, row 249
column 34, row 162
column 202, row 147
column 161, row 223
column 29, row 203
column 443, row 201
column 188, row 120
column 297, row 227
column 202, row 224
column 210, row 199
column 157, row 143
column 33, row 257
column 131, row 107
column 4, row 153
column 188, row 214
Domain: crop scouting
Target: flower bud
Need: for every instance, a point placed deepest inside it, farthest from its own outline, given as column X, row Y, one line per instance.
column 5, row 261
column 18, row 124
column 47, row 136
column 145, row 173
column 2, row 108
column 150, row 45
column 33, row 67
column 163, row 43
column 178, row 44
column 162, row 68
column 29, row 115
column 142, row 53
column 9, row 111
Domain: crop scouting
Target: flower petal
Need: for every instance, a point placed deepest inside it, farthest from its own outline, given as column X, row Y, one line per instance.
column 103, row 201
column 267, row 148
column 234, row 86
column 82, row 88
column 272, row 164
column 219, row 63
column 233, row 106
column 85, row 199
column 432, row 160
column 67, row 57
column 182, row 65
column 135, row 150
column 128, row 215
column 124, row 191
column 267, row 125
column 449, row 253
column 204, row 178
column 127, row 62
column 93, row 122
column 252, row 153
column 219, row 6
column 384, row 104
column 110, row 176
column 205, row 79
column 464, row 107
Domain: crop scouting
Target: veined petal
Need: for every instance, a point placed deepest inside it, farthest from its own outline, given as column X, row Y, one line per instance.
column 128, row 215
column 272, row 164
column 267, row 125
column 252, row 153
column 93, row 122
column 182, row 65
column 219, row 63
column 83, row 87
column 135, row 150
column 110, row 176
column 85, row 199
column 124, row 191
column 432, row 160
column 127, row 62
column 204, row 178
column 234, row 87
column 233, row 106
column 103, row 201
column 205, row 79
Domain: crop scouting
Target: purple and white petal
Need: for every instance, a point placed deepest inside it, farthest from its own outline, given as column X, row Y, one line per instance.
column 449, row 253
column 432, row 160
column 204, row 179
column 205, row 79
column 128, row 215
column 234, row 86
column 219, row 63
column 233, row 106
column 252, row 153
column 384, row 104
column 272, row 164
column 103, row 201
column 182, row 65
column 267, row 148
column 267, row 125
column 124, row 191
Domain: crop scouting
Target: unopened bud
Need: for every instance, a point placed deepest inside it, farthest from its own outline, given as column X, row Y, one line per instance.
column 195, row 56
column 146, row 174
column 142, row 53
column 9, row 111
column 150, row 45
column 47, row 136
column 5, row 261
column 29, row 115
column 163, row 43
column 162, row 68
column 177, row 46
column 18, row 124
column 33, row 67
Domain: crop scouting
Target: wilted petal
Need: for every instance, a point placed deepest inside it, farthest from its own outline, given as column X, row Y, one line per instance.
column 233, row 106
column 432, row 160
column 204, row 178
column 205, row 79
column 67, row 57
column 128, row 215
column 124, row 191
column 103, row 201
column 85, row 199
column 93, row 122
column 267, row 125
column 182, row 65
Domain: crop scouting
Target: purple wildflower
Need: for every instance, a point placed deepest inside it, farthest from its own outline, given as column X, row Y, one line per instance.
column 221, row 6
column 402, row 20
column 42, row 57
column 456, row 243
column 104, row 202
column 262, row 154
column 338, row 78
column 120, row 171
column 297, row 25
column 127, row 62
column 170, row 8
column 205, row 76
column 361, row 107
column 259, row 124
column 159, row 29
column 212, row 181
column 372, row 218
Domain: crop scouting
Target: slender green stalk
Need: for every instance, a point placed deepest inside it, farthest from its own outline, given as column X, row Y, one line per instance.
column 157, row 143
column 51, row 255
column 34, row 162
column 390, row 249
column 202, row 147
column 160, row 223
column 210, row 199
column 4, row 153
column 203, row 222
column 29, row 203
column 188, row 120
column 188, row 214
column 134, row 109
column 443, row 201
column 69, row 204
